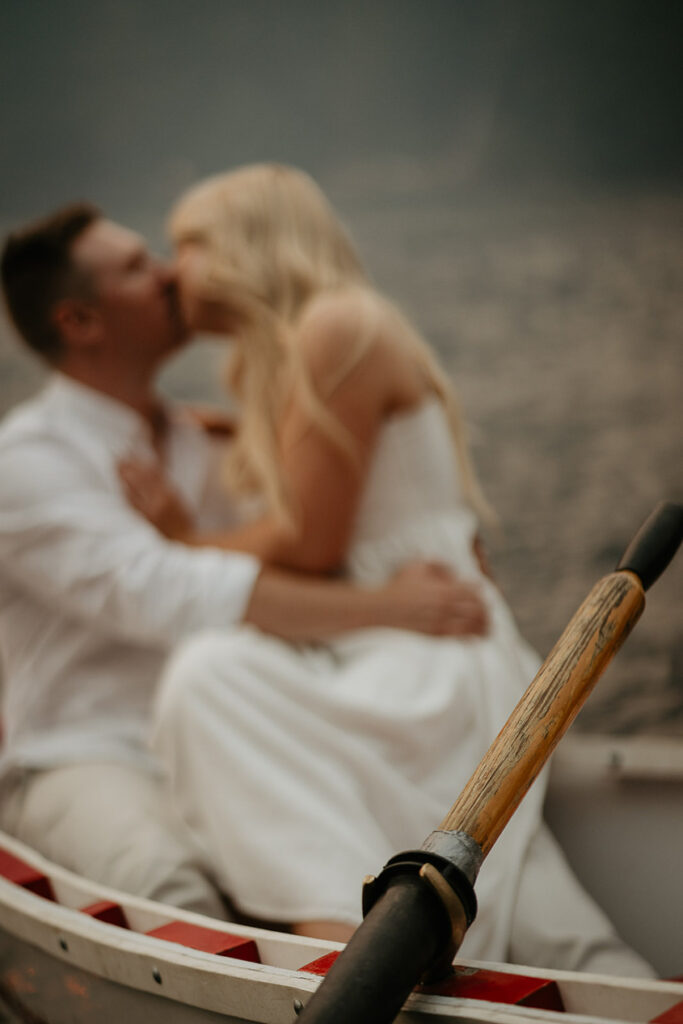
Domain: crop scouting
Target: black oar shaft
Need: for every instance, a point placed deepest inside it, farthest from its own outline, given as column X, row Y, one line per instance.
column 387, row 956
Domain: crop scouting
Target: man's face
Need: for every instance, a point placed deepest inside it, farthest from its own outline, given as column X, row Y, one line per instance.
column 135, row 295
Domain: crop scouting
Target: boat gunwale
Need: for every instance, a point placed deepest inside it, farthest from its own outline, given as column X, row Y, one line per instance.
column 130, row 958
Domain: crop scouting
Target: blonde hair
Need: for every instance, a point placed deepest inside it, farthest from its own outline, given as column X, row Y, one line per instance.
column 273, row 243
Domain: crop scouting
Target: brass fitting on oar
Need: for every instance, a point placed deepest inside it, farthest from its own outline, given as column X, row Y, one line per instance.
column 447, row 863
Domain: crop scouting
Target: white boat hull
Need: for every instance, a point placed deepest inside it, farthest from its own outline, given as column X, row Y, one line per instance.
column 616, row 806
column 60, row 965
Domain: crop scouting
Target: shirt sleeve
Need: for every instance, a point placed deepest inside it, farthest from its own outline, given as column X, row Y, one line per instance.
column 75, row 544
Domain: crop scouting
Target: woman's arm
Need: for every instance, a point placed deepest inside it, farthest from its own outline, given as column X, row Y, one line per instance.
column 148, row 489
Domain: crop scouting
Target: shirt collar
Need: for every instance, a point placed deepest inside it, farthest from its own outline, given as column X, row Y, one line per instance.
column 122, row 425
column 121, row 431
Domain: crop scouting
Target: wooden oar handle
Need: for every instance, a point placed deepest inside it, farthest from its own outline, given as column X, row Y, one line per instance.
column 564, row 681
column 547, row 709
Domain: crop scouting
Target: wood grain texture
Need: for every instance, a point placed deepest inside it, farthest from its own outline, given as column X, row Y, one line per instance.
column 547, row 708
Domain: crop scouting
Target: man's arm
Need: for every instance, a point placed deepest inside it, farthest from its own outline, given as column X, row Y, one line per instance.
column 79, row 547
column 423, row 597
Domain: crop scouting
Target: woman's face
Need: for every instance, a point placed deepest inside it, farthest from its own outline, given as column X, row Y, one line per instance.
column 201, row 312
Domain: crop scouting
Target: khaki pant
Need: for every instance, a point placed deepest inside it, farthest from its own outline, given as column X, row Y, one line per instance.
column 114, row 824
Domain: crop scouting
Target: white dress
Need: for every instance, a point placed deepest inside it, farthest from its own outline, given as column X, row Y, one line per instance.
column 304, row 768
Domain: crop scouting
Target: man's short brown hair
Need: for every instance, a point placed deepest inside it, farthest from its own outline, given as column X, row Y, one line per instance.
column 37, row 271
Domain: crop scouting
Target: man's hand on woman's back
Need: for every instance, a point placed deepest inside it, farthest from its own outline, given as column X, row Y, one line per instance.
column 427, row 597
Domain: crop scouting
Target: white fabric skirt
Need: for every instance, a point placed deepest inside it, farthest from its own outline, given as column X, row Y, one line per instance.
column 303, row 769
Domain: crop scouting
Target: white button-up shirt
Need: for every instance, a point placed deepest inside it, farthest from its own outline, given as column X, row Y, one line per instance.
column 92, row 597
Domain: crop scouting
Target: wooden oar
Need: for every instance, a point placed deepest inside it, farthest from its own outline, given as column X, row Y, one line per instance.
column 419, row 908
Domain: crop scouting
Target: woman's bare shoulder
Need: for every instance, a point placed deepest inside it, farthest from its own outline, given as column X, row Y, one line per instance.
column 354, row 339
column 339, row 311
column 349, row 323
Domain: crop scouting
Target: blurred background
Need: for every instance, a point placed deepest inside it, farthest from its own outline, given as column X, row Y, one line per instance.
column 512, row 171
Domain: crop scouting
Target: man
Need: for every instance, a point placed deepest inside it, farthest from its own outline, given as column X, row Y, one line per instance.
column 93, row 598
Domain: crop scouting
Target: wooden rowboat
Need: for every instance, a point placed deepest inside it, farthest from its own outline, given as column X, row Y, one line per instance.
column 72, row 950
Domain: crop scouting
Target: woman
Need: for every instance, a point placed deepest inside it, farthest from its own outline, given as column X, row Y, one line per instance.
column 351, row 442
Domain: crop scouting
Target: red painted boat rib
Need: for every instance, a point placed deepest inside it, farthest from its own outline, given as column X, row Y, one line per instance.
column 105, row 910
column 322, row 965
column 25, row 875
column 674, row 1015
column 490, row 986
column 208, row 940
column 499, row 987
